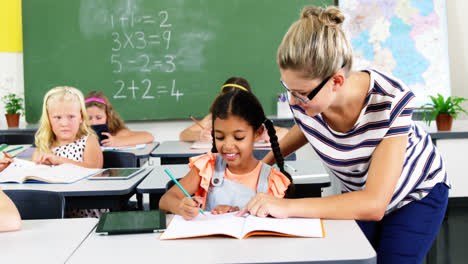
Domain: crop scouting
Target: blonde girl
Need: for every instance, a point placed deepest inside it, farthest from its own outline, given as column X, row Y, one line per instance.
column 101, row 112
column 394, row 181
column 64, row 134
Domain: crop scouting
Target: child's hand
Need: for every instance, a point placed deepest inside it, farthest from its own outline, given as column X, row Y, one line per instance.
column 7, row 160
column 264, row 138
column 110, row 141
column 222, row 209
column 205, row 135
column 48, row 159
column 189, row 208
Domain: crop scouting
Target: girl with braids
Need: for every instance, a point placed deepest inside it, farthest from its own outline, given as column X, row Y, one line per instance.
column 359, row 123
column 197, row 133
column 225, row 179
column 107, row 123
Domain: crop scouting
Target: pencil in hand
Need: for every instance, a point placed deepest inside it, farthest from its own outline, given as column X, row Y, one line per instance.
column 198, row 123
column 181, row 188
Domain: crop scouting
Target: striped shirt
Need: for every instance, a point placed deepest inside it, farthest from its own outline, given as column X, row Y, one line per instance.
column 386, row 113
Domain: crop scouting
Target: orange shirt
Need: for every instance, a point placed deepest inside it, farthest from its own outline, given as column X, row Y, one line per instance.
column 277, row 182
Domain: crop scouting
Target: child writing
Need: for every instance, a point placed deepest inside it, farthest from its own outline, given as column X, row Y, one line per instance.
column 101, row 112
column 10, row 219
column 202, row 132
column 228, row 177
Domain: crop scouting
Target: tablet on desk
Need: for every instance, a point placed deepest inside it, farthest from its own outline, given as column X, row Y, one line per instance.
column 130, row 222
column 116, row 174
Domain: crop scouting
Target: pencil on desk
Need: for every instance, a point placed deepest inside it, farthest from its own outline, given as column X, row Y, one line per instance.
column 11, row 150
column 181, row 188
column 198, row 123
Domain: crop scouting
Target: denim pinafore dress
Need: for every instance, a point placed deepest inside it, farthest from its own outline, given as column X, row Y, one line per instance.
column 226, row 192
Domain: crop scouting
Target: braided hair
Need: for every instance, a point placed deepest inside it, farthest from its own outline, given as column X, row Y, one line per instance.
column 246, row 106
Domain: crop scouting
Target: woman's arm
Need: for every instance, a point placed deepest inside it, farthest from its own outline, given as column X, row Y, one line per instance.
column 9, row 215
column 291, row 142
column 193, row 132
column 367, row 204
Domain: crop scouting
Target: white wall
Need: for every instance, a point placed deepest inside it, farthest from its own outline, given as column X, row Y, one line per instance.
column 11, row 72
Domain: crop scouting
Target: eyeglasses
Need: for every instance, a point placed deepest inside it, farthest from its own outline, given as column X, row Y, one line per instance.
column 310, row 96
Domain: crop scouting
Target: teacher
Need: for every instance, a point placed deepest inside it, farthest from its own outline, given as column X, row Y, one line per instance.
column 359, row 123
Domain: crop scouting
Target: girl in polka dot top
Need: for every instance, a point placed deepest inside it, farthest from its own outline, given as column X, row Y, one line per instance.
column 64, row 134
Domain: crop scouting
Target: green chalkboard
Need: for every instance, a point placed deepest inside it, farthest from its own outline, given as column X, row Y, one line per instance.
column 155, row 59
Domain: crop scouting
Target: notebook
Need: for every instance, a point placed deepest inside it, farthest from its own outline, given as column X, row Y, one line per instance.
column 24, row 171
column 241, row 227
column 124, row 148
column 130, row 222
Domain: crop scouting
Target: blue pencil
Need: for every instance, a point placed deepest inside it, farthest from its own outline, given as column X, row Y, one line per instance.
column 182, row 188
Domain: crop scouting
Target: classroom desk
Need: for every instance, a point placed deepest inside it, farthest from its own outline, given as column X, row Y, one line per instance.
column 179, row 152
column 344, row 242
column 45, row 241
column 309, row 178
column 89, row 194
column 142, row 155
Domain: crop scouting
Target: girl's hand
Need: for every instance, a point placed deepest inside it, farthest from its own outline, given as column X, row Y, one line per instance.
column 222, row 209
column 7, row 160
column 189, row 208
column 205, row 135
column 263, row 205
column 48, row 159
column 110, row 141
column 264, row 138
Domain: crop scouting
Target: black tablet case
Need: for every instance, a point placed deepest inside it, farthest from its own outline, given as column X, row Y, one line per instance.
column 131, row 222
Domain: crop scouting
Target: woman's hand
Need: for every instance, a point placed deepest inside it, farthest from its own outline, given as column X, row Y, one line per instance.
column 189, row 208
column 7, row 160
column 222, row 209
column 263, row 205
column 48, row 159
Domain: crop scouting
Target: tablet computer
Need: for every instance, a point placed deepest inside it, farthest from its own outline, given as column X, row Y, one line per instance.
column 116, row 174
column 130, row 222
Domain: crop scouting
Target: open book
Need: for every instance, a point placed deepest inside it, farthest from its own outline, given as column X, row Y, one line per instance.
column 21, row 171
column 209, row 145
column 241, row 227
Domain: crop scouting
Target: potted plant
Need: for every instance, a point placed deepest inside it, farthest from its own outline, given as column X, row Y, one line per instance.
column 443, row 110
column 13, row 108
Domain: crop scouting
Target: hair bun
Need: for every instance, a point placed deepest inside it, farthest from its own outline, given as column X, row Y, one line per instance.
column 330, row 16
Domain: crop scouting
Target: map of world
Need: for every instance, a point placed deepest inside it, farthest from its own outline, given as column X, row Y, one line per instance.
column 406, row 38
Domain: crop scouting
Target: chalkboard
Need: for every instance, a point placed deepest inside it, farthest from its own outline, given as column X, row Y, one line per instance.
column 154, row 59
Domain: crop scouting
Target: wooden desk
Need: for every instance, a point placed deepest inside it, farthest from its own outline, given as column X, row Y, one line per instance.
column 89, row 194
column 309, row 177
column 45, row 241
column 179, row 152
column 343, row 243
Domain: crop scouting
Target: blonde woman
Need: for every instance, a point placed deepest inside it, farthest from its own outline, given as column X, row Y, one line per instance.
column 64, row 134
column 101, row 112
column 393, row 179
